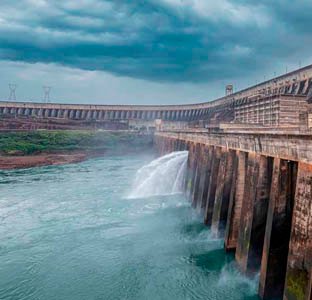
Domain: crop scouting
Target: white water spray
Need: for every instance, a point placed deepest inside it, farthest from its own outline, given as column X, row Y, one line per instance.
column 163, row 176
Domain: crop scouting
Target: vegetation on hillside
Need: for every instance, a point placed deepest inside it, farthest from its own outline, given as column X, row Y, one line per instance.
column 26, row 143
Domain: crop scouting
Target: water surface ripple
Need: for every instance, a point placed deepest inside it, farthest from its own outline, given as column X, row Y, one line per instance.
column 70, row 233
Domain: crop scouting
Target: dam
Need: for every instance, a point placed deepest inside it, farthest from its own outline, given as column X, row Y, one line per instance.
column 255, row 191
column 283, row 102
column 248, row 173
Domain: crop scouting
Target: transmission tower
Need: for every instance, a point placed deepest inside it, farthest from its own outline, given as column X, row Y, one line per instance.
column 12, row 88
column 47, row 90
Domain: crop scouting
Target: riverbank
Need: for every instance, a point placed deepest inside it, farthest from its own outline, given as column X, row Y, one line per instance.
column 45, row 159
column 41, row 148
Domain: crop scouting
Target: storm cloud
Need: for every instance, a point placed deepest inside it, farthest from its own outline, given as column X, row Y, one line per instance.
column 158, row 40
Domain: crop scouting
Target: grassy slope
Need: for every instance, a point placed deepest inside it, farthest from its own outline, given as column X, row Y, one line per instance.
column 26, row 143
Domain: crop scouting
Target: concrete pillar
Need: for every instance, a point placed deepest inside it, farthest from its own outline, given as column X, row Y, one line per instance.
column 177, row 115
column 71, row 114
column 83, row 114
column 198, row 173
column 89, row 115
column 254, row 213
column 277, row 234
column 182, row 115
column 77, row 114
column 212, row 186
column 164, row 115
column 223, row 192
column 191, row 114
column 100, row 114
column 173, row 115
column 169, row 115
column 59, row 113
column 181, row 145
column 205, row 177
column 186, row 114
column 40, row 112
column 170, row 145
column 299, row 264
column 194, row 154
column 65, row 113
column 236, row 200
column 190, row 167
column 112, row 115
column 115, row 114
column 149, row 115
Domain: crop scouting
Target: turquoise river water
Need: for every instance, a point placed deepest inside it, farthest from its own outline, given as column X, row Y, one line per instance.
column 71, row 233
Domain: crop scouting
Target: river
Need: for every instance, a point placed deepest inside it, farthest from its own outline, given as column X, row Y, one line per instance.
column 84, row 232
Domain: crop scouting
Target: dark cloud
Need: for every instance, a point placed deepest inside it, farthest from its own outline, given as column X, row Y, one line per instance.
column 163, row 40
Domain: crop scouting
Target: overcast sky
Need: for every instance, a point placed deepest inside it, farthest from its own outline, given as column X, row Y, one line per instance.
column 148, row 52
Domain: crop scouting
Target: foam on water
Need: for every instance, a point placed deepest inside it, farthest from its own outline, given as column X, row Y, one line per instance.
column 163, row 176
column 73, row 236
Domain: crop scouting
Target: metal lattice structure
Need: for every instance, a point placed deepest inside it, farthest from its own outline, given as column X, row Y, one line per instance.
column 12, row 88
column 47, row 91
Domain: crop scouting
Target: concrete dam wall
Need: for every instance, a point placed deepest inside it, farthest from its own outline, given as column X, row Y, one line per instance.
column 280, row 102
column 255, row 191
